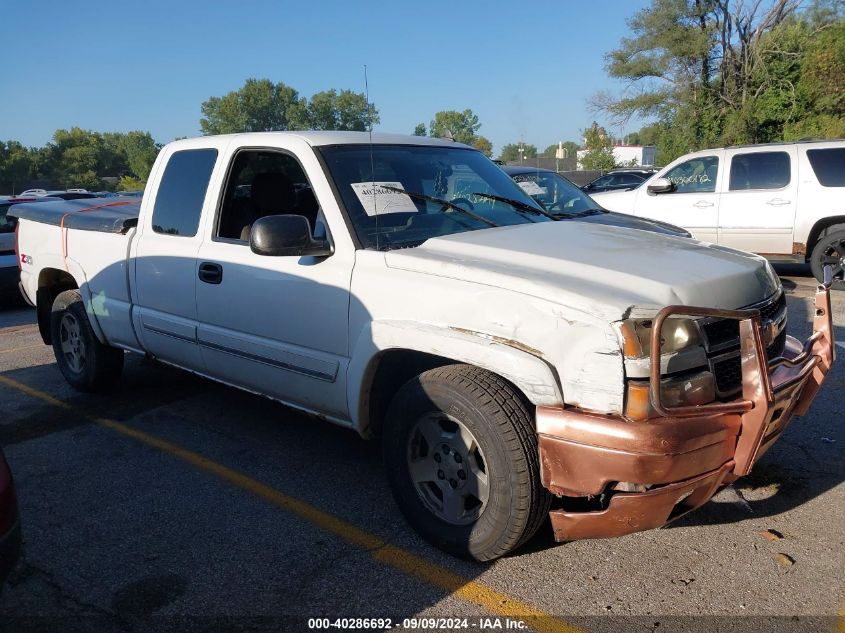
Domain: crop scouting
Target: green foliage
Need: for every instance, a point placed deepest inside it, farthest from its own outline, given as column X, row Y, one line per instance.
column 483, row 145
column 261, row 106
column 77, row 158
column 599, row 146
column 419, row 130
column 716, row 72
column 511, row 152
column 130, row 183
column 570, row 147
column 344, row 110
column 462, row 126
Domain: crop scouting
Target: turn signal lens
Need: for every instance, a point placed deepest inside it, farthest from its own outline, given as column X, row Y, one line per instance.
column 686, row 391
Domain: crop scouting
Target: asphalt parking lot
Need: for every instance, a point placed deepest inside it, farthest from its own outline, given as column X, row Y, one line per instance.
column 179, row 504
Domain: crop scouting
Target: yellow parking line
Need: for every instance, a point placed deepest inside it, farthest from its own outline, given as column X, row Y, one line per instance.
column 494, row 602
column 18, row 349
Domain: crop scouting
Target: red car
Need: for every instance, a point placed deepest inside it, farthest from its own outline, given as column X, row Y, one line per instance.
column 10, row 525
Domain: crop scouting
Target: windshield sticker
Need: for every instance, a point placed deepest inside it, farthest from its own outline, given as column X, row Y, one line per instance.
column 376, row 199
column 531, row 188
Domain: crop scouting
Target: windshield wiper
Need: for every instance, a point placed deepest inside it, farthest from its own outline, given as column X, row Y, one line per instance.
column 446, row 204
column 580, row 214
column 516, row 204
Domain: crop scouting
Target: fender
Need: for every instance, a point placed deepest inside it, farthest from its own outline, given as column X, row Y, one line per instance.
column 535, row 377
column 74, row 270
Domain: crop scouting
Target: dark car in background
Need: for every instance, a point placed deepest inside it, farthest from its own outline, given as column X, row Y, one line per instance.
column 562, row 199
column 10, row 525
column 8, row 260
column 619, row 179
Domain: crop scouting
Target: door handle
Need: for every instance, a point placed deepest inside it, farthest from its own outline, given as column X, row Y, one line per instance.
column 778, row 202
column 703, row 204
column 211, row 273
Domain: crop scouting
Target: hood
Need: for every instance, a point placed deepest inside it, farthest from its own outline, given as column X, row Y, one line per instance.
column 597, row 269
column 612, row 218
column 621, row 201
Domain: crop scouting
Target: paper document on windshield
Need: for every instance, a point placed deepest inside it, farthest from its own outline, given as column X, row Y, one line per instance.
column 376, row 199
column 531, row 187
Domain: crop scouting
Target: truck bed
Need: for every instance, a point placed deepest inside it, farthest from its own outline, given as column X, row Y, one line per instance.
column 106, row 215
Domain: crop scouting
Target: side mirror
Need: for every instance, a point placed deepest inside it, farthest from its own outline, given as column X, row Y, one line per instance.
column 286, row 235
column 661, row 185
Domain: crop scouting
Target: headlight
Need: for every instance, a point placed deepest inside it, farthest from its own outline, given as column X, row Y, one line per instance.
column 678, row 333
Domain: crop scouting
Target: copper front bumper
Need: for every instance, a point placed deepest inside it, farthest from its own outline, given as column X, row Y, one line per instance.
column 687, row 454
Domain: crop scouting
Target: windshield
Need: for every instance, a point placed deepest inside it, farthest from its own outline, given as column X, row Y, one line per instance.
column 557, row 195
column 398, row 196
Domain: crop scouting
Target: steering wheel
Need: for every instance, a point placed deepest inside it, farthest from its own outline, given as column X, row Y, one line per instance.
column 457, row 200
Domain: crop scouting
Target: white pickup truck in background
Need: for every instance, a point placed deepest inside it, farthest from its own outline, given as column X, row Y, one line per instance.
column 783, row 200
column 517, row 367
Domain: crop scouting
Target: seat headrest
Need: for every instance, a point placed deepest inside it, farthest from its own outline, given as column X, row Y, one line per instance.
column 273, row 192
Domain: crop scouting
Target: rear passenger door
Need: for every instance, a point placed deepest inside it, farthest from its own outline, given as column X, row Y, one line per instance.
column 164, row 257
column 759, row 200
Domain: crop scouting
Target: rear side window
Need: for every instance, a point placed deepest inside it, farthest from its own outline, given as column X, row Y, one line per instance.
column 828, row 165
column 760, row 170
column 181, row 192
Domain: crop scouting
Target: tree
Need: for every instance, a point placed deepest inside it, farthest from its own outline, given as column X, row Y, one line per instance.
column 17, row 166
column 140, row 150
column 715, row 72
column 570, row 147
column 419, row 130
column 262, row 106
column 259, row 106
column 346, row 110
column 511, row 152
column 483, row 145
column 599, row 146
column 461, row 126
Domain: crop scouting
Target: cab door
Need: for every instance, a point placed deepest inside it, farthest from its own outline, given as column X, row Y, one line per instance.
column 694, row 202
column 163, row 258
column 759, row 200
column 276, row 325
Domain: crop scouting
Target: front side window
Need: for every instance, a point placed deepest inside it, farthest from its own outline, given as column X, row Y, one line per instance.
column 181, row 192
column 262, row 183
column 828, row 165
column 697, row 175
column 398, row 196
column 759, row 170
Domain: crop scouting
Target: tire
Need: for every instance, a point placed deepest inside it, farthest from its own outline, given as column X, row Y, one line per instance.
column 830, row 248
column 478, row 424
column 86, row 364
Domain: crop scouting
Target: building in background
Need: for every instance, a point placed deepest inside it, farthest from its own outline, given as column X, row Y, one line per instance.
column 628, row 155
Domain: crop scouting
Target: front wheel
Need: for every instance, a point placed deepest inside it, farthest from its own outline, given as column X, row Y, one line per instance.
column 829, row 250
column 462, row 461
column 86, row 364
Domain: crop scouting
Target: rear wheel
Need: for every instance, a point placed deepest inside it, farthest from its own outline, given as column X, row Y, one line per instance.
column 462, row 460
column 86, row 364
column 829, row 250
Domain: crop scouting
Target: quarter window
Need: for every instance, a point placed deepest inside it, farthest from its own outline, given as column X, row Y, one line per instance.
column 181, row 192
column 759, row 170
column 828, row 165
column 697, row 175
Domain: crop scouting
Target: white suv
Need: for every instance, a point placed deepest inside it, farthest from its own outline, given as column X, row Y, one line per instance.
column 785, row 201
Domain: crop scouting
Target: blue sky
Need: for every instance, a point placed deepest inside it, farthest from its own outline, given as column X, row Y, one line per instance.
column 527, row 70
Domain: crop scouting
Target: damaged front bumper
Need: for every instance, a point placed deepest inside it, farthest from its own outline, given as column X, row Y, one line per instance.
column 616, row 476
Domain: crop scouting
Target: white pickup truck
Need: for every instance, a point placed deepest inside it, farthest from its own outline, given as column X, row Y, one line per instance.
column 785, row 201
column 515, row 367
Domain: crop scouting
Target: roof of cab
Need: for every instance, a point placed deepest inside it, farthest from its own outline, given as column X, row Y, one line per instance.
column 320, row 138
